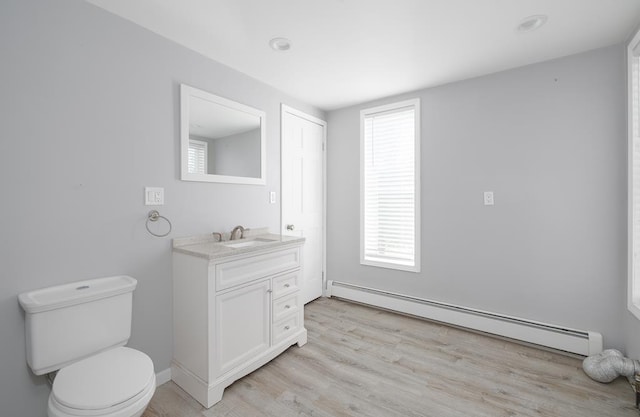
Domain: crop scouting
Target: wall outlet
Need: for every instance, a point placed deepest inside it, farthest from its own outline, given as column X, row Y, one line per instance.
column 153, row 196
column 488, row 198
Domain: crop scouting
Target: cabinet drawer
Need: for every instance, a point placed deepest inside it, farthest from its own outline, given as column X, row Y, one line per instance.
column 286, row 306
column 285, row 284
column 285, row 328
column 232, row 273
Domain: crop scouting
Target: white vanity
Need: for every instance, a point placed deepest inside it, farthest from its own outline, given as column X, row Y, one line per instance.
column 236, row 306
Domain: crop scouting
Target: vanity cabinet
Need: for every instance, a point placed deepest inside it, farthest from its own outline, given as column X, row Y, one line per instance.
column 233, row 311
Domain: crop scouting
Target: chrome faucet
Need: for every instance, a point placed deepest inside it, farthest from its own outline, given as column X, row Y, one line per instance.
column 234, row 232
column 218, row 235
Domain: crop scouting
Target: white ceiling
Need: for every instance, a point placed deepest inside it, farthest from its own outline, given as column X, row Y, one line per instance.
column 350, row 51
column 210, row 119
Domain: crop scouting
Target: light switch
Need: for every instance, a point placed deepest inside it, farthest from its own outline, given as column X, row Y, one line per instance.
column 153, row 196
column 272, row 197
column 488, row 198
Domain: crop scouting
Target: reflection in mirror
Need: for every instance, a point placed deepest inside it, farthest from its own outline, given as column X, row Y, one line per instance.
column 221, row 140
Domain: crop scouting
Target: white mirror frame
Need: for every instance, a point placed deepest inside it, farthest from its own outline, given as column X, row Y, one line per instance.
column 185, row 93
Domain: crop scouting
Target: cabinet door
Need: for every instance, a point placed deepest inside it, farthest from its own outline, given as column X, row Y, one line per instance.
column 242, row 320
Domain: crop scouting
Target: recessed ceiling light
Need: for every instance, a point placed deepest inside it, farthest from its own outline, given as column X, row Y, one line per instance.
column 280, row 44
column 531, row 23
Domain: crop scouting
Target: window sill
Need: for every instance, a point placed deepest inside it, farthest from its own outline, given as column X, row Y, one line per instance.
column 398, row 267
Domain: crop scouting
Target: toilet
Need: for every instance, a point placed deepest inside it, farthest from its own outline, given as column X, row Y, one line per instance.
column 76, row 334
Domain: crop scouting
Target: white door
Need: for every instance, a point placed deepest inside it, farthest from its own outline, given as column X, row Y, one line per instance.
column 303, row 200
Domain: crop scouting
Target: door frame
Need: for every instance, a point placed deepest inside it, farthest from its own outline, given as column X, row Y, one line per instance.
column 288, row 109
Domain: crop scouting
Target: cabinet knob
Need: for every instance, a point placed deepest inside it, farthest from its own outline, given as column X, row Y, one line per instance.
column 287, row 306
column 269, row 291
column 286, row 327
column 290, row 227
column 286, row 285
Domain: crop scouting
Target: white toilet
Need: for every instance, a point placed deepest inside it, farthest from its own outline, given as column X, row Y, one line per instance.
column 80, row 330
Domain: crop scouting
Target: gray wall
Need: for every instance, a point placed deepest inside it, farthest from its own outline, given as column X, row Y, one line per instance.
column 550, row 141
column 89, row 116
column 237, row 155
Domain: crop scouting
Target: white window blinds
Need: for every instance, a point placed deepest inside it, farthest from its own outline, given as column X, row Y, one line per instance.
column 635, row 156
column 197, row 158
column 633, row 53
column 389, row 182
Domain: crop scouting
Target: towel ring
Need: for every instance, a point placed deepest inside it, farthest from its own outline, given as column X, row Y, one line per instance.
column 153, row 216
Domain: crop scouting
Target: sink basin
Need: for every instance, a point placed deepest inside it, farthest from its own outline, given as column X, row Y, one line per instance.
column 247, row 243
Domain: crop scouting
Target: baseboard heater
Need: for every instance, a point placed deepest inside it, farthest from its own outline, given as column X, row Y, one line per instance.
column 569, row 340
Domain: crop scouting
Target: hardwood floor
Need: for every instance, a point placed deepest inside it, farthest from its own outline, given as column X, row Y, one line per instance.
column 361, row 361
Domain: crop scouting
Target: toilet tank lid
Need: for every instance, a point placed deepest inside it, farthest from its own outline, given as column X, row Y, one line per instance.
column 74, row 293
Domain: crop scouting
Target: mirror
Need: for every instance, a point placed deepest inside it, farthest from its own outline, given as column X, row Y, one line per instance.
column 220, row 140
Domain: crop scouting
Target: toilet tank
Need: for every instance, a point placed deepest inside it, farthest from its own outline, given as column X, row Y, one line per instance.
column 70, row 322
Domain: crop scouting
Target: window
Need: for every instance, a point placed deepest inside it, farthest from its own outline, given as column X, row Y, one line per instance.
column 633, row 55
column 197, row 158
column 390, row 186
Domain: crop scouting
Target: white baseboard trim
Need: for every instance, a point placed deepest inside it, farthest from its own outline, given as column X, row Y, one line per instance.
column 163, row 377
column 556, row 337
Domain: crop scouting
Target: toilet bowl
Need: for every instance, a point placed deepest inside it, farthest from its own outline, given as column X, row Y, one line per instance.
column 116, row 383
column 79, row 330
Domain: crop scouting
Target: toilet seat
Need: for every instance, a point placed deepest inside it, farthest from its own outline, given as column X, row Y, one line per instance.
column 118, row 382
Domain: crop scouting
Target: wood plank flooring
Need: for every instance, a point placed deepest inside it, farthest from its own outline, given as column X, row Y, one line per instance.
column 362, row 361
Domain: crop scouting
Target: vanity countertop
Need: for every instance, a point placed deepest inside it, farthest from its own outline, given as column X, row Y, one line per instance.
column 207, row 246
